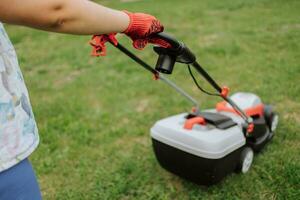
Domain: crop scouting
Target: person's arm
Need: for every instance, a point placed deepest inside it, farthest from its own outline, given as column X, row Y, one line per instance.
column 81, row 17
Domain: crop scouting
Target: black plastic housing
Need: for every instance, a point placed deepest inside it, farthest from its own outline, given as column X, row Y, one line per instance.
column 178, row 52
column 165, row 63
column 197, row 169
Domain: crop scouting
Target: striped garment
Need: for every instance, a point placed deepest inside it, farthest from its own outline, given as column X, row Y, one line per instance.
column 18, row 130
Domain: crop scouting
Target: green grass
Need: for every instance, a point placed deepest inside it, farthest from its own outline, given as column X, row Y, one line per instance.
column 94, row 114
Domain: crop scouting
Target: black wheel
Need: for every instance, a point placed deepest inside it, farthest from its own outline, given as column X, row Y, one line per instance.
column 274, row 122
column 268, row 112
column 246, row 160
column 271, row 119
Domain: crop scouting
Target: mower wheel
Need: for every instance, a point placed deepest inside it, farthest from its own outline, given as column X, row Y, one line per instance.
column 271, row 117
column 245, row 161
column 274, row 122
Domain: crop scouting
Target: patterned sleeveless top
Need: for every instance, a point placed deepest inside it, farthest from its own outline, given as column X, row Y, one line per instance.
column 18, row 130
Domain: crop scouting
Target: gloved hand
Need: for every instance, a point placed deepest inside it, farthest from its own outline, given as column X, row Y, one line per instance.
column 141, row 30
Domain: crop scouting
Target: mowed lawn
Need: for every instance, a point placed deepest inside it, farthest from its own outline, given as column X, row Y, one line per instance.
column 94, row 114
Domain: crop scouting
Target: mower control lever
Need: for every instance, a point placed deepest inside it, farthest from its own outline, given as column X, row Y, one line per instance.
column 178, row 52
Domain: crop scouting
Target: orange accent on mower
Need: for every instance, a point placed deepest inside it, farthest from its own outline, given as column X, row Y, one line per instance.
column 253, row 111
column 225, row 91
column 189, row 123
column 250, row 128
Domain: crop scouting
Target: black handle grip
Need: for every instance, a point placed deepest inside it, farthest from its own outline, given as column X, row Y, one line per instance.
column 168, row 38
column 178, row 50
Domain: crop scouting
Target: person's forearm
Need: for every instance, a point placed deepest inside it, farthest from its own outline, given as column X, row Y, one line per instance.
column 64, row 16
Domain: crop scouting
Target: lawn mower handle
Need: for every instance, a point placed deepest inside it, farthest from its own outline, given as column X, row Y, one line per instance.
column 178, row 52
column 168, row 38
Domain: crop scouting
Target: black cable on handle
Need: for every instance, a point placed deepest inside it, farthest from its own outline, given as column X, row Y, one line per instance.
column 201, row 71
column 234, row 106
column 196, row 65
column 198, row 86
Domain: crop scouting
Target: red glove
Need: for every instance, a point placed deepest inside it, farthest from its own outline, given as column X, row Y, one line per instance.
column 98, row 43
column 141, row 29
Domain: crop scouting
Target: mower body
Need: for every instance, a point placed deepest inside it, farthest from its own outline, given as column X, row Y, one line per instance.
column 207, row 152
column 206, row 146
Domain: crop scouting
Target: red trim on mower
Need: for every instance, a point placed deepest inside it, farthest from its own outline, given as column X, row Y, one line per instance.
column 189, row 123
column 256, row 110
column 225, row 91
column 250, row 128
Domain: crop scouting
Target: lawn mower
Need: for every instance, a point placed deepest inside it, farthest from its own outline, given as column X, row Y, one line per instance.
column 203, row 146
